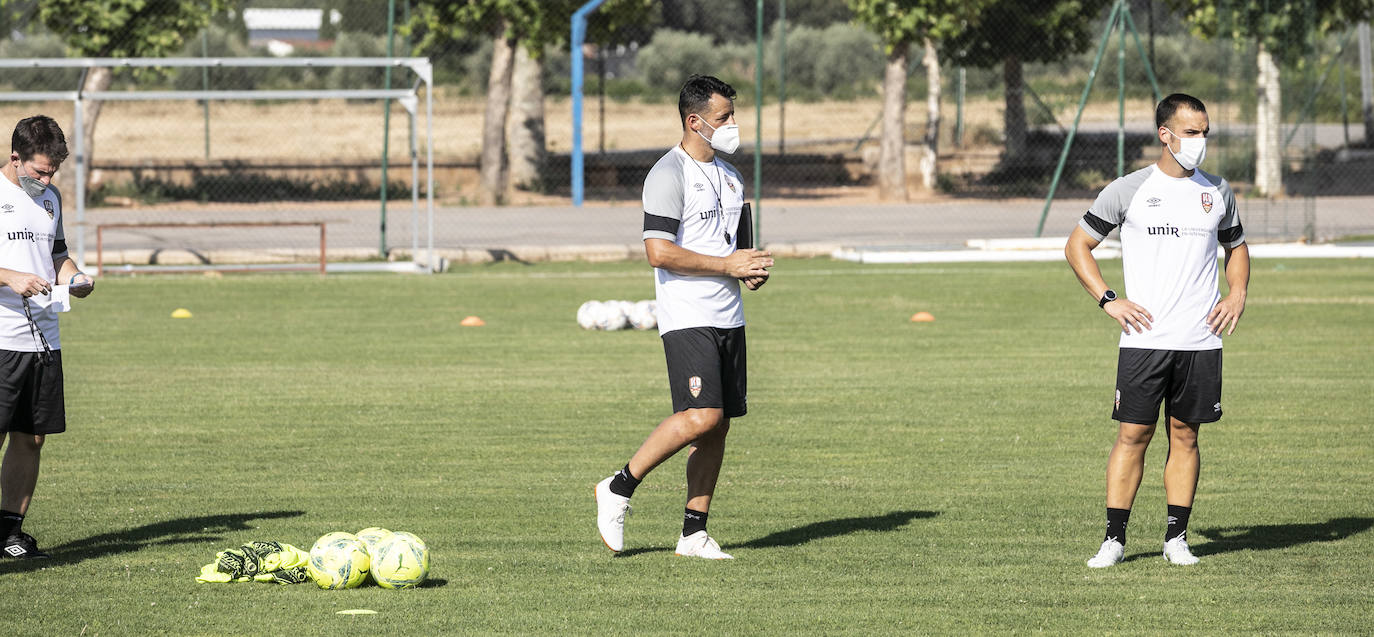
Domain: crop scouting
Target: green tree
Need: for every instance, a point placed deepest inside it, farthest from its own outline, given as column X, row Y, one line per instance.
column 1284, row 32
column 1010, row 35
column 121, row 28
column 900, row 24
column 520, row 30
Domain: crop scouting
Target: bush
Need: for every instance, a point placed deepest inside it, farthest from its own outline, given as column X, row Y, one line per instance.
column 841, row 61
column 38, row 46
column 666, row 62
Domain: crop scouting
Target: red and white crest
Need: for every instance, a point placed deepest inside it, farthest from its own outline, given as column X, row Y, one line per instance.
column 694, row 386
column 1206, row 202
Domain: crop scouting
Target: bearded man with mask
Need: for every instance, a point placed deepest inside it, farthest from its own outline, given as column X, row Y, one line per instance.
column 693, row 202
column 34, row 268
column 1172, row 217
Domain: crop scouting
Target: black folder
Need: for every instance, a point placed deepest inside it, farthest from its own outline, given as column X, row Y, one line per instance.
column 744, row 232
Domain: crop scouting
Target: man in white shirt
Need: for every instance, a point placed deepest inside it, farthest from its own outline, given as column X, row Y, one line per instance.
column 33, row 259
column 1172, row 217
column 692, row 208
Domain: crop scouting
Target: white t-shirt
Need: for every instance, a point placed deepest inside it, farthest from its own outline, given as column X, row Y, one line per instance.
column 1170, row 229
column 28, row 229
column 697, row 206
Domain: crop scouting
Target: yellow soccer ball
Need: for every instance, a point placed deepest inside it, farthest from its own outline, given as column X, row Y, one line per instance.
column 338, row 560
column 400, row 561
column 370, row 536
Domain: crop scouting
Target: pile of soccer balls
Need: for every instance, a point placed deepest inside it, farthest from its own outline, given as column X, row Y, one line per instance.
column 617, row 315
column 392, row 560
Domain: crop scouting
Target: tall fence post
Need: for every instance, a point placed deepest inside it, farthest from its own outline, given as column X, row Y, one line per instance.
column 579, row 34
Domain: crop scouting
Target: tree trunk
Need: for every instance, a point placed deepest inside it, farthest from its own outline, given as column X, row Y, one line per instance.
column 891, row 164
column 98, row 79
column 493, row 162
column 930, row 151
column 1014, row 117
column 526, row 126
column 1268, row 155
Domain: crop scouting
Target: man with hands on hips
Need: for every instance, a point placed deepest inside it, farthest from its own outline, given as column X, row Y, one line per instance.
column 1172, row 218
column 33, row 259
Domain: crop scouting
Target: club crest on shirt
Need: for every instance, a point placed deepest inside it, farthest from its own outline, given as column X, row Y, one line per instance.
column 731, row 184
column 694, row 386
column 48, row 205
column 1206, row 202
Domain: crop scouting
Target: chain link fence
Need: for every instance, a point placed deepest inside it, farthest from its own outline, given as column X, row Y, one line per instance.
column 1003, row 121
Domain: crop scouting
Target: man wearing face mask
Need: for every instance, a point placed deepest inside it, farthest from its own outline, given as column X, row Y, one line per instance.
column 33, row 260
column 692, row 209
column 1172, row 217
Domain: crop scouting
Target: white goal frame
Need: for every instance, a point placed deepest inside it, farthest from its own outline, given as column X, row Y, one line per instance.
column 408, row 98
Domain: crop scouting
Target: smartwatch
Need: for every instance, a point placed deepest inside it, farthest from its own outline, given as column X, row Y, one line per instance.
column 1107, row 297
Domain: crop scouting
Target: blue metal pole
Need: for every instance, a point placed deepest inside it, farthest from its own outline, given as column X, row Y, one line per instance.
column 579, row 34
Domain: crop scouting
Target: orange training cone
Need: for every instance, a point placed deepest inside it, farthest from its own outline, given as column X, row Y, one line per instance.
column 472, row 321
column 923, row 317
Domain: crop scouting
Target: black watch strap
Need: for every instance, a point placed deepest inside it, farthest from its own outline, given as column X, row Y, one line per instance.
column 1107, row 297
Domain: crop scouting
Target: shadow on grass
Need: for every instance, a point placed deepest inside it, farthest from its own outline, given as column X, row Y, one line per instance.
column 816, row 531
column 207, row 528
column 1265, row 537
column 1279, row 536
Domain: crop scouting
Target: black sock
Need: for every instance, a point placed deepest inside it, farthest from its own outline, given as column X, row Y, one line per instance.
column 9, row 523
column 1116, row 524
column 693, row 521
column 623, row 483
column 1178, row 522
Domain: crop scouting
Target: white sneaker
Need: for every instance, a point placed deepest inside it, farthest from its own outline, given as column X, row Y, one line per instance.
column 611, row 510
column 701, row 545
column 1111, row 554
column 1176, row 551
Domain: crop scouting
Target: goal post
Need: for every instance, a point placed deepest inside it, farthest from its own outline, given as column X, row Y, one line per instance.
column 407, row 98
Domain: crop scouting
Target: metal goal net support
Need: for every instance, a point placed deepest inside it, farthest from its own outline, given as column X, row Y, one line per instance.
column 285, row 163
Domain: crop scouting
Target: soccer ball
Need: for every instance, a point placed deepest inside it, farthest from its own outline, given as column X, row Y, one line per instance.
column 611, row 317
column 338, row 560
column 587, row 314
column 371, row 536
column 644, row 315
column 401, row 561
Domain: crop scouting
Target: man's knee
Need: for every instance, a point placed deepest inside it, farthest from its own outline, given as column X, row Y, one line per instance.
column 31, row 443
column 1182, row 433
column 701, row 422
column 1135, row 435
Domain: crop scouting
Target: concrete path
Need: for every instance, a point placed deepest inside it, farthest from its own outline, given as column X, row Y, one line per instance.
column 613, row 232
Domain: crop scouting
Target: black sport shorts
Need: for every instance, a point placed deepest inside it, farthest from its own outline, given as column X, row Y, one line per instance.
column 1189, row 384
column 31, row 394
column 706, row 369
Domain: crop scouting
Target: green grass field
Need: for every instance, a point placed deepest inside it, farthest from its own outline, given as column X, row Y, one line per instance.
column 891, row 477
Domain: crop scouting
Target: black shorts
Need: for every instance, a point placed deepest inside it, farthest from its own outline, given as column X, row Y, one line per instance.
column 706, row 369
column 1189, row 384
column 31, row 394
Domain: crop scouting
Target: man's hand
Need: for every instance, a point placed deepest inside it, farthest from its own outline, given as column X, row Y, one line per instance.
column 1225, row 315
column 25, row 284
column 743, row 264
column 82, row 285
column 1129, row 315
column 755, row 282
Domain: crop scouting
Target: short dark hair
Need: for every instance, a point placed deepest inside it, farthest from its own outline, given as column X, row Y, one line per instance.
column 39, row 135
column 1169, row 105
column 696, row 94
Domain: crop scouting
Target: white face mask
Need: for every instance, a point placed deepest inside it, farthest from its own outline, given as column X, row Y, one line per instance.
column 725, row 139
column 1191, row 151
